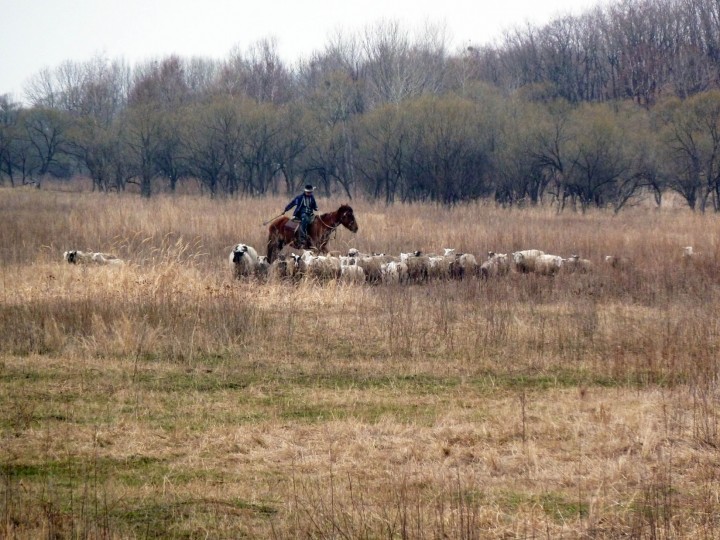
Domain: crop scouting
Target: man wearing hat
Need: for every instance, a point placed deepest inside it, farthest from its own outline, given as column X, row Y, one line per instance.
column 305, row 206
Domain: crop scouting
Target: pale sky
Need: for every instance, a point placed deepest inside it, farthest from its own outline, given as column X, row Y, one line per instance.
column 38, row 34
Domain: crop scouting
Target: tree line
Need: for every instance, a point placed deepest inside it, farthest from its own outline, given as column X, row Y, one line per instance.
column 587, row 111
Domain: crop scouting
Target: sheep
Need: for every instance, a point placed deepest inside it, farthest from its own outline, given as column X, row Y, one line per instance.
column 689, row 254
column 575, row 264
column 371, row 265
column 464, row 265
column 439, row 266
column 548, row 265
column 352, row 273
column 524, row 261
column 243, row 260
column 619, row 263
column 281, row 268
column 418, row 266
column 322, row 267
column 262, row 267
column 404, row 256
column 104, row 258
column 394, row 272
column 498, row 264
column 298, row 265
column 89, row 257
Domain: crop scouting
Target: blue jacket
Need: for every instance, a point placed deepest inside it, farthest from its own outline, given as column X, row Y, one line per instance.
column 302, row 203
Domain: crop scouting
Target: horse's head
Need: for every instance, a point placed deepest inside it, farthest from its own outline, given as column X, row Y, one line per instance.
column 347, row 218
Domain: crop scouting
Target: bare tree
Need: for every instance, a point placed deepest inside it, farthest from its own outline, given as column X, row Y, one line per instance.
column 259, row 74
column 398, row 68
column 46, row 131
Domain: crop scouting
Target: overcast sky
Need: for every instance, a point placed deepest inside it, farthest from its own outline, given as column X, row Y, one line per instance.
column 37, row 34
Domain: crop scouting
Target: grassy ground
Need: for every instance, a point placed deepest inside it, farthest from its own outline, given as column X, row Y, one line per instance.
column 166, row 399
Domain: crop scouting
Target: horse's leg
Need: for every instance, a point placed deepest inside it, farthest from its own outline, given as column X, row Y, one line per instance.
column 314, row 235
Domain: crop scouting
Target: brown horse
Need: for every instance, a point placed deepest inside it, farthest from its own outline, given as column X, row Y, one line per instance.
column 282, row 231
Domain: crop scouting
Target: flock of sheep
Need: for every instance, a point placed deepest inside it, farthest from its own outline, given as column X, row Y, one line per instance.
column 412, row 267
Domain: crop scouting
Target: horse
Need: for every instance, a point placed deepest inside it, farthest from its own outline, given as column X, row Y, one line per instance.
column 282, row 231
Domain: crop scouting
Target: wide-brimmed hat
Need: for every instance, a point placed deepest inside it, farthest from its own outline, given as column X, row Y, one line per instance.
column 309, row 188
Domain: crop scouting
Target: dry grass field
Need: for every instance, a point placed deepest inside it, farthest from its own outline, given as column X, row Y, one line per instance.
column 165, row 399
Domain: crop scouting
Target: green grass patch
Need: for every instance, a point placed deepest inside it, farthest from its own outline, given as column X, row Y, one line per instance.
column 313, row 413
column 73, row 472
column 177, row 519
column 555, row 505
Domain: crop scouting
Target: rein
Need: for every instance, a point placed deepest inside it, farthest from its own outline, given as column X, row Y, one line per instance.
column 331, row 228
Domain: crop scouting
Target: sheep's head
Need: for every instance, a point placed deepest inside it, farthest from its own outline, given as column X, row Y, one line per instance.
column 518, row 257
column 238, row 252
column 71, row 256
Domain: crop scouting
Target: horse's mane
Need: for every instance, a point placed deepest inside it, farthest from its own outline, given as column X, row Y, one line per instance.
column 343, row 207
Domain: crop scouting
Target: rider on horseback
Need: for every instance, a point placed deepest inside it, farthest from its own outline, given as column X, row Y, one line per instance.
column 305, row 206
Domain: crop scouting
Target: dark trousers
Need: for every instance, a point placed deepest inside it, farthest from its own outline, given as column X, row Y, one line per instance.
column 305, row 220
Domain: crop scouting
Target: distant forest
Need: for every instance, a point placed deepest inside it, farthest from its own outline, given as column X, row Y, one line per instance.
column 586, row 111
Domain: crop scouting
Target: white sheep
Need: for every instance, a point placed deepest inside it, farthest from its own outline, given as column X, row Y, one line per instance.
column 575, row 264
column 418, row 266
column 243, row 260
column 404, row 256
column 281, row 268
column 89, row 257
column 439, row 266
column 498, row 264
column 617, row 262
column 262, row 267
column 394, row 272
column 322, row 267
column 689, row 254
column 372, row 266
column 298, row 265
column 524, row 261
column 464, row 265
column 548, row 265
column 104, row 258
column 352, row 273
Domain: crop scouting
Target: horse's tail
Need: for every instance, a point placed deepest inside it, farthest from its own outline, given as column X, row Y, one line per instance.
column 271, row 246
column 275, row 240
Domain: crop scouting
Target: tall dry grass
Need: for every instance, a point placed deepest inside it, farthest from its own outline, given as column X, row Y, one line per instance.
column 165, row 398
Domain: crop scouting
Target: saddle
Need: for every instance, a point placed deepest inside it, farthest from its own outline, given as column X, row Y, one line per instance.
column 293, row 226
